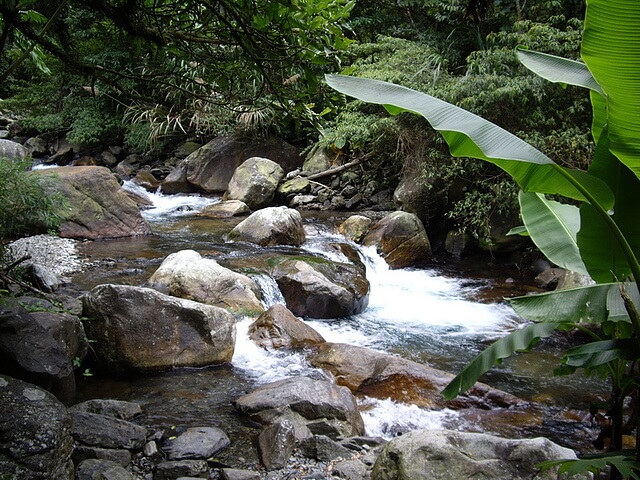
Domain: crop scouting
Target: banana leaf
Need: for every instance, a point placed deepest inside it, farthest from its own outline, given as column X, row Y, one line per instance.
column 590, row 304
column 553, row 227
column 594, row 354
column 517, row 341
column 469, row 135
column 610, row 49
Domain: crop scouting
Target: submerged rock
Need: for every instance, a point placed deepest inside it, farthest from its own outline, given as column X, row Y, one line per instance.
column 142, row 329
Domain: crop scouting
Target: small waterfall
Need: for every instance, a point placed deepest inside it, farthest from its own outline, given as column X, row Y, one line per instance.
column 271, row 294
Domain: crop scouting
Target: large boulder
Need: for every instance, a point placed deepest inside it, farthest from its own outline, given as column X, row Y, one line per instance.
column 40, row 352
column 401, row 239
column 35, row 433
column 141, row 329
column 255, row 182
column 449, row 455
column 10, row 150
column 96, row 207
column 211, row 167
column 313, row 400
column 279, row 328
column 271, row 226
column 380, row 375
column 186, row 274
column 319, row 288
column 355, row 227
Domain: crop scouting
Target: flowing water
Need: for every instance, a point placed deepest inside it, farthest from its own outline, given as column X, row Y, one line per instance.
column 440, row 316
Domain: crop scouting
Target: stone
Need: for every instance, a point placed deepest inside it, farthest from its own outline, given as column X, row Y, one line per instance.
column 549, row 278
column 318, row 161
column 96, row 206
column 196, row 443
column 141, row 329
column 255, row 182
column 271, row 226
column 279, row 328
column 379, row 375
column 83, row 452
column 146, row 180
column 186, row 274
column 312, row 399
column 351, row 470
column 181, row 468
column 100, row 469
column 226, row 209
column 449, row 455
column 12, row 150
column 319, row 288
column 42, row 278
column 275, row 445
column 113, row 408
column 324, row 449
column 210, row 168
column 35, row 433
column 355, row 227
column 456, row 243
column 102, row 431
column 401, row 239
column 32, row 353
column 292, row 187
column 237, row 474
column 36, row 146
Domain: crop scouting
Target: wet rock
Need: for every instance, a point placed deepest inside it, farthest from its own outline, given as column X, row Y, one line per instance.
column 279, row 328
column 102, row 431
column 142, row 329
column 318, row 288
column 292, row 187
column 255, row 182
column 275, row 444
column 186, row 274
column 401, row 239
column 450, row 455
column 549, row 278
column 211, row 167
column 456, row 243
column 355, row 227
column 35, row 433
column 146, row 180
column 197, row 443
column 324, row 448
column 271, row 226
column 181, row 468
column 312, row 399
column 82, row 452
column 30, row 351
column 112, row 408
column 67, row 330
column 96, row 205
column 99, row 469
column 386, row 376
column 227, row 209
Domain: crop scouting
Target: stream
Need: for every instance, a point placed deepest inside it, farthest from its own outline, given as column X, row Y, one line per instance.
column 441, row 316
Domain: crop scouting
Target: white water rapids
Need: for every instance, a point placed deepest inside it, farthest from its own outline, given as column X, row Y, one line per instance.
column 409, row 310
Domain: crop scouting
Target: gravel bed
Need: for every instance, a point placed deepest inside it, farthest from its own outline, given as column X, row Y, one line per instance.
column 58, row 255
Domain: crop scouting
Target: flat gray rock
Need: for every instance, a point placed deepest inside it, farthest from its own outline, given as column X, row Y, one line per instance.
column 197, row 443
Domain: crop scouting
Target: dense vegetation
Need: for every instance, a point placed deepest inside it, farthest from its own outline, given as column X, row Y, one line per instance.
column 152, row 73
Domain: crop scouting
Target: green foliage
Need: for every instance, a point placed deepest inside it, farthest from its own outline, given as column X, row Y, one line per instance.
column 24, row 207
column 607, row 245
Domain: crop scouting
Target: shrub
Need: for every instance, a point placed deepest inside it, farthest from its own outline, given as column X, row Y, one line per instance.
column 24, row 207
